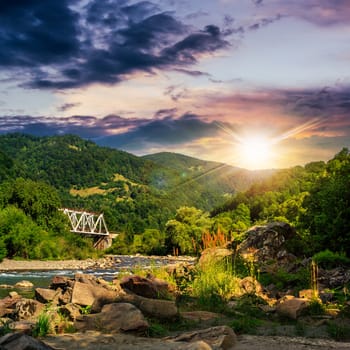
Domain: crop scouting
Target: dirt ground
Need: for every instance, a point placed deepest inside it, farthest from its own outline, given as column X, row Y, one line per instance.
column 99, row 341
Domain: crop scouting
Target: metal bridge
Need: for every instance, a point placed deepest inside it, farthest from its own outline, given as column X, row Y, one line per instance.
column 86, row 223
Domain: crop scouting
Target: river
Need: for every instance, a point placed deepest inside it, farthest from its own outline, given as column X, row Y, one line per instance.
column 123, row 264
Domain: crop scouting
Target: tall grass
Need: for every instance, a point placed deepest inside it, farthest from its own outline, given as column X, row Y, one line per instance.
column 215, row 284
column 42, row 326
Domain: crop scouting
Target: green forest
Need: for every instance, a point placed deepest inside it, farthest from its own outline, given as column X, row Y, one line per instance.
column 160, row 204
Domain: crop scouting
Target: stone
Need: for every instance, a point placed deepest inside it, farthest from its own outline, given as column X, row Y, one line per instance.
column 250, row 285
column 266, row 243
column 152, row 287
column 21, row 341
column 220, row 337
column 65, row 297
column 72, row 311
column 45, row 295
column 291, row 307
column 211, row 255
column 24, row 284
column 197, row 345
column 89, row 294
column 114, row 317
column 8, row 304
column 22, row 326
column 161, row 309
column 61, row 282
column 199, row 316
column 27, row 309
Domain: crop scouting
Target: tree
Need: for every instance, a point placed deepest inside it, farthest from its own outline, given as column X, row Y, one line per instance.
column 185, row 230
column 327, row 214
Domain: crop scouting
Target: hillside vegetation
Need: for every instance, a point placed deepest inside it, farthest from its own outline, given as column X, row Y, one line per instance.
column 161, row 203
column 138, row 195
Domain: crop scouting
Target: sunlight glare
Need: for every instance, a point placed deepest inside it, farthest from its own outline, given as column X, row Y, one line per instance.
column 255, row 152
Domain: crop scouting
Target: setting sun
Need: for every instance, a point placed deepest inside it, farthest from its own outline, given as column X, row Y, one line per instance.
column 255, row 152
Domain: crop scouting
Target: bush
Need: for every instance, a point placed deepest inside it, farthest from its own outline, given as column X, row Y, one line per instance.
column 328, row 259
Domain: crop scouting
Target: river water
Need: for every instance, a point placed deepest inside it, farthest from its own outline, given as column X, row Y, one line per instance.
column 124, row 264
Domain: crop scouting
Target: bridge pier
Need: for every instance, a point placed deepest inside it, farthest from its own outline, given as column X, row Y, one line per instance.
column 102, row 243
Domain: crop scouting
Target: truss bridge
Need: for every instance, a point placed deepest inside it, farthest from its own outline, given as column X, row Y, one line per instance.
column 90, row 224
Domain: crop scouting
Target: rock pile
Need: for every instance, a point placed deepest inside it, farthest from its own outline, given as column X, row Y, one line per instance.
column 87, row 303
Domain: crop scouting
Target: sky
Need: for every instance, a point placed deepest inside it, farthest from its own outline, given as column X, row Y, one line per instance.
column 252, row 83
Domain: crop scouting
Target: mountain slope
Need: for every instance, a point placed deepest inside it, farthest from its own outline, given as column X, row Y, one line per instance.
column 219, row 176
column 135, row 193
column 65, row 161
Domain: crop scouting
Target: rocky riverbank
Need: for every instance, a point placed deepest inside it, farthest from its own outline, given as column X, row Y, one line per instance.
column 107, row 261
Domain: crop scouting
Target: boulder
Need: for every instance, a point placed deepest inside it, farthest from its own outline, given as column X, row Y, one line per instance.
column 61, row 282
column 212, row 255
column 161, row 309
column 197, row 345
column 27, row 309
column 250, row 285
column 333, row 278
column 45, row 295
column 266, row 243
column 72, row 311
column 220, row 337
column 22, row 326
column 198, row 316
column 146, row 287
column 291, row 307
column 8, row 304
column 24, row 284
column 114, row 317
column 91, row 294
column 65, row 297
column 20, row 341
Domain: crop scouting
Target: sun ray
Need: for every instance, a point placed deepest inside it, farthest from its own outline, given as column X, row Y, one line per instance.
column 256, row 150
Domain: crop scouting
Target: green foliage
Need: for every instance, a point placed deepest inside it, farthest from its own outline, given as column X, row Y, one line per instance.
column 284, row 280
column 185, row 231
column 316, row 308
column 215, row 283
column 31, row 225
column 328, row 208
column 328, row 259
column 3, row 250
column 42, row 326
column 339, row 332
column 5, row 327
column 245, row 325
column 157, row 330
column 85, row 310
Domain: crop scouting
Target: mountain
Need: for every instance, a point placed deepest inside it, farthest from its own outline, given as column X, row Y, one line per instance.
column 135, row 193
column 219, row 176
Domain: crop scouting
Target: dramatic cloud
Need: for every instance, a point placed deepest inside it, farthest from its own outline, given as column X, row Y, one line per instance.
column 166, row 131
column 84, row 126
column 103, row 41
column 320, row 12
column 67, row 106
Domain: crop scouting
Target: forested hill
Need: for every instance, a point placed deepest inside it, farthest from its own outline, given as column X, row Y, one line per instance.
column 161, row 201
column 134, row 192
column 65, row 161
column 215, row 175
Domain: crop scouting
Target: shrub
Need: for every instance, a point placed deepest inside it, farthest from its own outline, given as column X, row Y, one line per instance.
column 339, row 332
column 328, row 259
